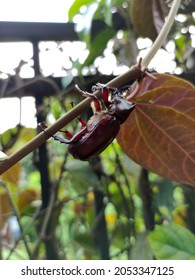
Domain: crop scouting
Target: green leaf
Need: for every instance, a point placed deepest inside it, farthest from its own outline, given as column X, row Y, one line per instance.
column 85, row 240
column 104, row 11
column 164, row 195
column 117, row 2
column 76, row 6
column 180, row 46
column 141, row 249
column 172, row 242
column 98, row 45
column 79, row 175
column 56, row 109
column 66, row 81
column 85, row 25
column 9, row 136
column 81, row 235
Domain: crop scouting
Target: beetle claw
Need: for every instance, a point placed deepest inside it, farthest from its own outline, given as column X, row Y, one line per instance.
column 85, row 93
column 98, row 86
column 61, row 140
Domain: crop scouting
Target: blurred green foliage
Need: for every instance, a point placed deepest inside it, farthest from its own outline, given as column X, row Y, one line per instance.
column 74, row 222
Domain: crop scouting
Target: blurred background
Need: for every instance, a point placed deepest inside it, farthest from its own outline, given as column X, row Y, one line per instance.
column 50, row 208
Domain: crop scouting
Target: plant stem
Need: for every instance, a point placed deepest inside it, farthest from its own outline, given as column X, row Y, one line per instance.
column 37, row 141
column 15, row 212
column 131, row 74
column 42, row 234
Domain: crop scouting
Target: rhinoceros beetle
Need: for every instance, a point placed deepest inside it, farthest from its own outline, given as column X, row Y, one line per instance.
column 102, row 128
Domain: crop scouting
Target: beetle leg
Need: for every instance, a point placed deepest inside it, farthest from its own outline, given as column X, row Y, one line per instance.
column 83, row 123
column 58, row 138
column 105, row 95
column 61, row 140
column 73, row 138
column 97, row 105
column 106, row 90
column 66, row 132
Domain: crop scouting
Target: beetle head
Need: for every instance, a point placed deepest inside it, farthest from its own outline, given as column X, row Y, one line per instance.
column 121, row 108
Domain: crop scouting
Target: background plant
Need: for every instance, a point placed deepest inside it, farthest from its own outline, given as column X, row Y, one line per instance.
column 109, row 213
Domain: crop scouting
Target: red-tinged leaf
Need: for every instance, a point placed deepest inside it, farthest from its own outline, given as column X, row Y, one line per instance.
column 12, row 175
column 142, row 18
column 27, row 197
column 160, row 133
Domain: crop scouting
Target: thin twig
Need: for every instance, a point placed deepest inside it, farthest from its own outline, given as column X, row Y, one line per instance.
column 46, row 220
column 25, row 231
column 18, row 219
column 37, row 141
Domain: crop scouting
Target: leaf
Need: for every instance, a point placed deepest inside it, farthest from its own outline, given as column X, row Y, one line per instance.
column 12, row 175
column 104, row 11
column 26, row 197
column 85, row 240
column 84, row 237
column 16, row 137
column 181, row 45
column 76, row 6
column 87, row 17
column 148, row 17
column 141, row 250
column 84, row 26
column 180, row 215
column 142, row 18
column 5, row 207
column 26, row 134
column 79, row 175
column 56, row 108
column 67, row 80
column 160, row 133
column 9, row 137
column 164, row 194
column 98, row 45
column 172, row 242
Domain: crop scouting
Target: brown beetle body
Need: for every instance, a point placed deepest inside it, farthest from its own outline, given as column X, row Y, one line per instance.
column 96, row 137
column 102, row 128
